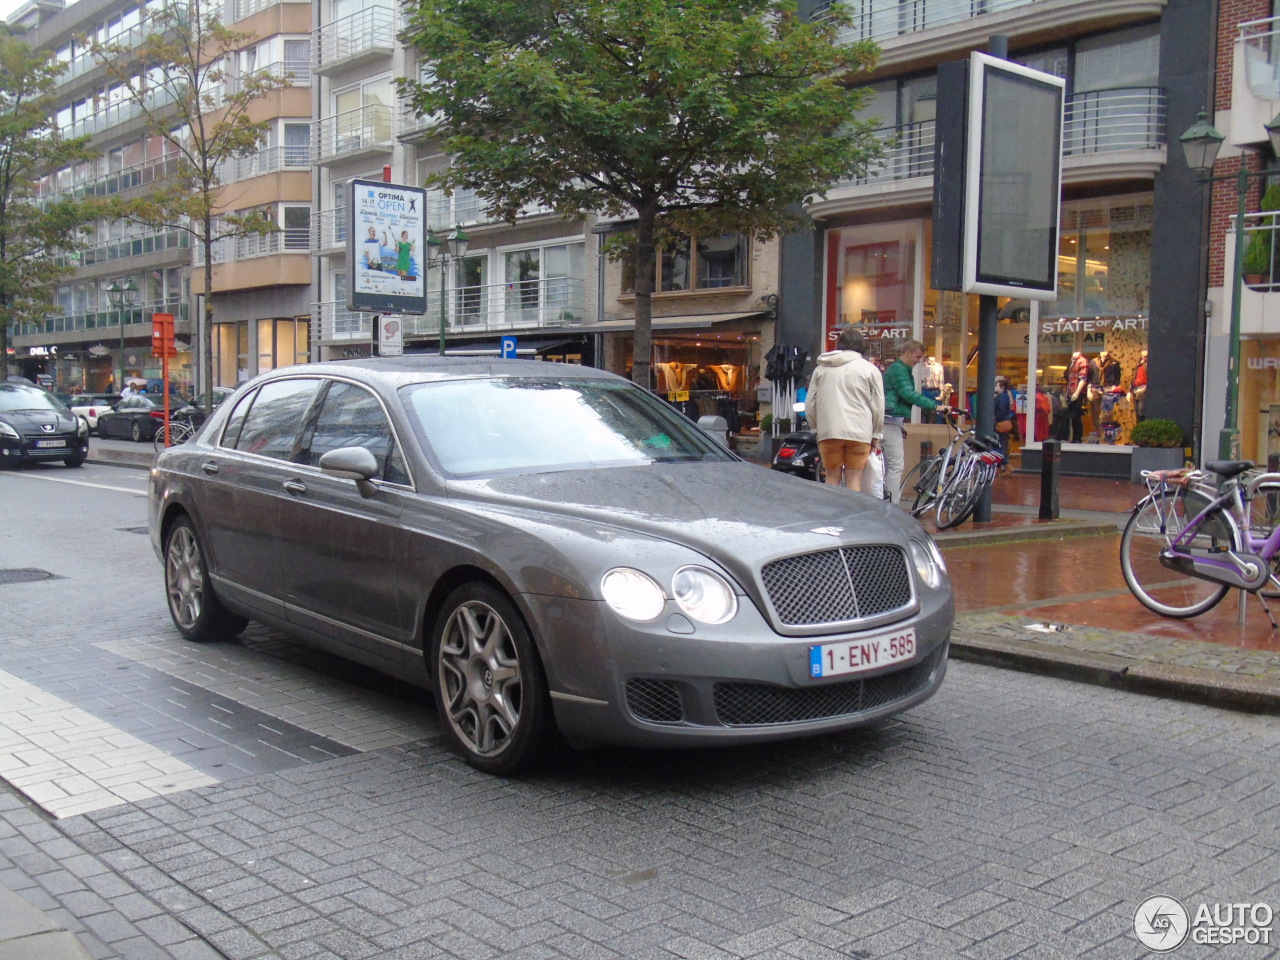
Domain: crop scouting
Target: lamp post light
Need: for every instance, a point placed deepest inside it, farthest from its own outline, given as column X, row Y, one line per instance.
column 445, row 251
column 1200, row 145
column 122, row 295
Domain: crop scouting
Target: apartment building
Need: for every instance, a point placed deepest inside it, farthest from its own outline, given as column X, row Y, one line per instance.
column 261, row 286
column 1130, row 266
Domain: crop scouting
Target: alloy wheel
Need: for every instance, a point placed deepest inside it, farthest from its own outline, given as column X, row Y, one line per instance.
column 481, row 678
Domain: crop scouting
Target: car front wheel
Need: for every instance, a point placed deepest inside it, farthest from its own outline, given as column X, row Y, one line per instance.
column 196, row 610
column 135, row 431
column 488, row 682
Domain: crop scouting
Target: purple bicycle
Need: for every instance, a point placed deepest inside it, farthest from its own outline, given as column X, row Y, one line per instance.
column 1198, row 534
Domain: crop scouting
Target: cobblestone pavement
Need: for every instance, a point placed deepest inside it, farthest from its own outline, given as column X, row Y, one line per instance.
column 1013, row 815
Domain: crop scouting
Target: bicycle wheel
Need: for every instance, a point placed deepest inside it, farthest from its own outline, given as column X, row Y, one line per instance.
column 1152, row 527
column 912, row 482
column 925, row 489
column 179, row 432
column 958, row 501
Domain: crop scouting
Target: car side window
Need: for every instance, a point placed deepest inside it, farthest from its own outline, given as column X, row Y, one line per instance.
column 350, row 416
column 231, row 433
column 271, row 427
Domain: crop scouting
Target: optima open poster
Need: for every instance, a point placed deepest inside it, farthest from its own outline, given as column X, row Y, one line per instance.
column 386, row 248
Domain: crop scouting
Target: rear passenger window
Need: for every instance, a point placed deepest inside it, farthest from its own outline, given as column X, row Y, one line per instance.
column 271, row 427
column 351, row 416
column 231, row 433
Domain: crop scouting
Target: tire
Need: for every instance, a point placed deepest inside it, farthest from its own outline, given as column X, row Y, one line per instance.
column 135, row 431
column 179, row 432
column 196, row 610
column 77, row 459
column 488, row 682
column 925, row 488
column 957, row 502
column 1159, row 589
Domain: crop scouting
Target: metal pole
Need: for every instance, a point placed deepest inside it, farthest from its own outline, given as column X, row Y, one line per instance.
column 1229, row 439
column 984, row 390
column 120, row 385
column 444, row 259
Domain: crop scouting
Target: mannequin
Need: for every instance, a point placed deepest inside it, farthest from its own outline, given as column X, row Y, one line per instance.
column 1077, row 392
column 1138, row 388
column 929, row 380
column 1095, row 390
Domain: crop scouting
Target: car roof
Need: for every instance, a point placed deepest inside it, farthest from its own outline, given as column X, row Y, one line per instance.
column 421, row 368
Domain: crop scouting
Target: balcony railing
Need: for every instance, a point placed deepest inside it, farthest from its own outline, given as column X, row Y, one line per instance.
column 371, row 32
column 102, row 319
column 231, row 249
column 909, row 154
column 1131, row 118
column 118, row 113
column 138, row 175
column 127, row 247
column 884, row 19
column 1260, row 258
column 1262, row 56
column 247, row 8
column 464, row 207
column 522, row 305
column 329, row 230
column 411, row 124
column 269, row 160
column 126, row 40
column 363, row 130
column 297, row 72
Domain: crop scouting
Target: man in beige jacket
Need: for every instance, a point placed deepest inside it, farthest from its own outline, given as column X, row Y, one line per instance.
column 845, row 407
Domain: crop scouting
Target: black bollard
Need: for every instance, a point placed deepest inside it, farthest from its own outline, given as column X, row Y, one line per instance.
column 1050, row 469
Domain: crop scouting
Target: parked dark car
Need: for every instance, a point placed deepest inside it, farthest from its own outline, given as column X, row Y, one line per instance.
column 553, row 551
column 35, row 425
column 139, row 417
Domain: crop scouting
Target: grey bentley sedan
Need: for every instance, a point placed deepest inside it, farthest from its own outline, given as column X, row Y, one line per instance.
column 553, row 551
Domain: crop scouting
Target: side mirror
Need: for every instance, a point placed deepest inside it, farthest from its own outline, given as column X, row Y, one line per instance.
column 352, row 463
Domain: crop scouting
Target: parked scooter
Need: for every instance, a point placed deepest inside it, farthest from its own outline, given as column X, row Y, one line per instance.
column 798, row 453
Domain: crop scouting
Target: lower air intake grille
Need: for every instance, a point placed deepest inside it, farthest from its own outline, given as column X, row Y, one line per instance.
column 657, row 701
column 837, row 586
column 753, row 704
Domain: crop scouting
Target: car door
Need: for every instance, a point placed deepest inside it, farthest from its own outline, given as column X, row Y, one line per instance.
column 242, row 488
column 342, row 552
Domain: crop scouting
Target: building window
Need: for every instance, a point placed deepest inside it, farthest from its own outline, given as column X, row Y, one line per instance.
column 687, row 263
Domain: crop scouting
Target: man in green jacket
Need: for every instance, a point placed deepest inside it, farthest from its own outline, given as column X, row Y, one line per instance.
column 900, row 395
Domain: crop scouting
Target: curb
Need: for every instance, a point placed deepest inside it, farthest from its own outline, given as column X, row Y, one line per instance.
column 28, row 934
column 1044, row 530
column 1210, row 687
column 135, row 464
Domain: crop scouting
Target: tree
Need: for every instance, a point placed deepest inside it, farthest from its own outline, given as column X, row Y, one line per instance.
column 33, row 230
column 178, row 79
column 690, row 116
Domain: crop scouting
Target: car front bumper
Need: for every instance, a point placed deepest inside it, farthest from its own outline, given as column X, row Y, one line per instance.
column 645, row 685
column 25, row 450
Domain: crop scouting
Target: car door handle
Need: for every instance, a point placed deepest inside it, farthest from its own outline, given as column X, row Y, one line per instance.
column 296, row 487
column 209, row 467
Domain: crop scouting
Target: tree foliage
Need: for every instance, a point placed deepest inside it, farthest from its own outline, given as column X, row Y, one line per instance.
column 179, row 79
column 33, row 230
column 696, row 116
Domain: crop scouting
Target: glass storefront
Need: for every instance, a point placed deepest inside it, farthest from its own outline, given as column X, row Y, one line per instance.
column 1260, row 401
column 1090, row 343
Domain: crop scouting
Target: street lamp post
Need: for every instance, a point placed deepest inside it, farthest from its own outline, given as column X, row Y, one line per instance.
column 1200, row 145
column 445, row 251
column 122, row 295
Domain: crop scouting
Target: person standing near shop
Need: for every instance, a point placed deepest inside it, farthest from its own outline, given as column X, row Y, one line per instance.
column 845, row 407
column 900, row 395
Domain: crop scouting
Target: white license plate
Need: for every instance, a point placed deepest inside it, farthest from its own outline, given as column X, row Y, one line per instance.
column 51, row 443
column 858, row 656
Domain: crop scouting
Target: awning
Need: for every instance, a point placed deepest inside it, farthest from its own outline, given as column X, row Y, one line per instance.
column 525, row 346
column 687, row 322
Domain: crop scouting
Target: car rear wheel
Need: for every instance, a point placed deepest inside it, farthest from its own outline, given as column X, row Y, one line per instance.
column 196, row 610
column 488, row 682
column 135, row 431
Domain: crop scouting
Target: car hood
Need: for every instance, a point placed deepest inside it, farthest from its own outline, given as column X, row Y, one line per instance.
column 737, row 513
column 33, row 421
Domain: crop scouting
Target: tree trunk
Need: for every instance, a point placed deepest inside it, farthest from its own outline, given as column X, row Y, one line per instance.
column 206, row 335
column 642, row 348
column 4, row 338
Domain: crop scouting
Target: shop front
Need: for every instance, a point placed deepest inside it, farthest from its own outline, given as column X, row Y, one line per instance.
column 1260, row 400
column 1082, row 357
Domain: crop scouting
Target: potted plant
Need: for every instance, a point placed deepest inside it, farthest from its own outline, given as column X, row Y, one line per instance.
column 1255, row 263
column 1158, row 445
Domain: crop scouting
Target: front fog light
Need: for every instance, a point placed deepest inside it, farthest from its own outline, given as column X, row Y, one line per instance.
column 632, row 594
column 930, row 572
column 704, row 595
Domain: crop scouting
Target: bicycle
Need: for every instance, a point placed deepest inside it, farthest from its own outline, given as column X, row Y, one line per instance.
column 1195, row 536
column 180, row 431
column 952, row 483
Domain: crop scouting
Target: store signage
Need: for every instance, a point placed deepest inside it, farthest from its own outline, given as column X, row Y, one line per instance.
column 1264, row 363
column 386, row 248
column 51, row 351
column 356, row 353
column 98, row 350
column 678, row 396
column 1104, row 324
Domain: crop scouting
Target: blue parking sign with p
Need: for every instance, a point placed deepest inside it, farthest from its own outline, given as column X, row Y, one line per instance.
column 508, row 348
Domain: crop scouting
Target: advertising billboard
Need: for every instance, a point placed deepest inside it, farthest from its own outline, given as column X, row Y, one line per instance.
column 1013, row 170
column 386, row 248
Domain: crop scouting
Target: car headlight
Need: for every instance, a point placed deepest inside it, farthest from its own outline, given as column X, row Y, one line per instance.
column 82, row 426
column 8, row 431
column 929, row 563
column 632, row 594
column 704, row 595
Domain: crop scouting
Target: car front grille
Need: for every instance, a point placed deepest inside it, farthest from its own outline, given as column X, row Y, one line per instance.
column 754, row 704
column 657, row 701
column 838, row 586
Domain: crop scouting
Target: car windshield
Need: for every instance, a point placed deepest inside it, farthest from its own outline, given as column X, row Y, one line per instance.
column 532, row 424
column 16, row 396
